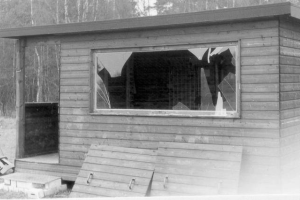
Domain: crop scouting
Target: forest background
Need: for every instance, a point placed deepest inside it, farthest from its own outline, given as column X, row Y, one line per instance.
column 42, row 62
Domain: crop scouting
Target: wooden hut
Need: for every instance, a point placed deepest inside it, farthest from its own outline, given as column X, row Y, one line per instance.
column 226, row 77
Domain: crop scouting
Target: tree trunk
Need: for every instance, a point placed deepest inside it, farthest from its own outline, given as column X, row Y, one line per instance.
column 85, row 10
column 31, row 12
column 57, row 11
column 78, row 10
column 96, row 10
column 39, row 95
column 66, row 12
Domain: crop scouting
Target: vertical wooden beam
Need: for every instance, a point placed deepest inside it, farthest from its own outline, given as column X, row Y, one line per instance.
column 20, row 98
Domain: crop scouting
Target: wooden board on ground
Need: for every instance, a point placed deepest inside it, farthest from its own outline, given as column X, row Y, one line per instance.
column 111, row 171
column 196, row 169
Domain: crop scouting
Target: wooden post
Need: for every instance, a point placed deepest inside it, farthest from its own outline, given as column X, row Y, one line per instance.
column 20, row 97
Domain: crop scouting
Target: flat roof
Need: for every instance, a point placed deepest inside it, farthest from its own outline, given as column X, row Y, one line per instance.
column 142, row 23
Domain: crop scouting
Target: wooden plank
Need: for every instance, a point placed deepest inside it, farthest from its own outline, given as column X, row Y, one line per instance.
column 176, row 157
column 72, row 89
column 261, row 51
column 260, row 106
column 287, row 51
column 288, row 87
column 290, row 122
column 198, row 163
column 110, row 160
column 144, row 152
column 289, row 33
column 260, row 42
column 272, row 124
column 257, row 169
column 261, row 160
column 102, row 192
column 124, row 155
column 201, row 181
column 289, row 78
column 248, row 143
column 210, row 173
column 74, row 96
column 160, row 126
column 262, row 78
column 72, row 155
column 75, row 82
column 117, row 170
column 289, row 69
column 114, row 177
column 75, row 52
column 286, row 96
column 260, row 69
column 287, row 60
column 71, row 162
column 172, row 39
column 225, row 140
column 255, row 88
column 284, row 132
column 64, row 176
column 74, row 104
column 260, row 60
column 187, row 189
column 205, row 131
column 124, row 143
column 197, row 29
column 47, row 167
column 75, row 67
column 114, row 185
column 207, row 154
column 74, row 111
column 20, row 98
column 285, row 114
column 259, row 146
column 185, row 146
column 265, row 115
column 117, row 135
column 74, row 74
column 255, row 151
column 290, row 104
column 76, row 60
column 260, row 97
column 290, row 140
column 123, row 163
column 288, row 42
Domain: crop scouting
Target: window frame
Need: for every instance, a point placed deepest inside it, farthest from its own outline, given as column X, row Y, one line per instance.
column 165, row 113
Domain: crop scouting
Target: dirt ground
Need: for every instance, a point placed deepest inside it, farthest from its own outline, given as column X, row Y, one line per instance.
column 8, row 138
column 7, row 148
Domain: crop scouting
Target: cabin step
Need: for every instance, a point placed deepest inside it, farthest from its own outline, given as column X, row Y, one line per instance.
column 35, row 185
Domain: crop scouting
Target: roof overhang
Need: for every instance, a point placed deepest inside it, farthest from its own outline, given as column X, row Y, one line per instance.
column 142, row 23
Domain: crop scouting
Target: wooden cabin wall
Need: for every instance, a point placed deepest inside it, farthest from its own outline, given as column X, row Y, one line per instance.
column 257, row 130
column 290, row 104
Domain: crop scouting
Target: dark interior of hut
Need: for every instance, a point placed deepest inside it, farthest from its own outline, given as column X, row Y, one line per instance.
column 167, row 80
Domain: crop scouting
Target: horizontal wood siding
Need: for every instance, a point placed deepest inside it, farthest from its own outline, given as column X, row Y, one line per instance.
column 257, row 130
column 66, row 172
column 290, row 104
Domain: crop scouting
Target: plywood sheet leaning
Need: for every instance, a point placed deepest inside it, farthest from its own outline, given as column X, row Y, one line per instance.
column 183, row 169
column 110, row 171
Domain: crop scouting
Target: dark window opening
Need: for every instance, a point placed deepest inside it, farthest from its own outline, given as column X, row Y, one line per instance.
column 202, row 79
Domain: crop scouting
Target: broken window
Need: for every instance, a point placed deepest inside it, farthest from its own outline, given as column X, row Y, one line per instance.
column 196, row 79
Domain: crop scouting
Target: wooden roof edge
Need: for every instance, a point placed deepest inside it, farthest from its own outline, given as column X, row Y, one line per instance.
column 183, row 19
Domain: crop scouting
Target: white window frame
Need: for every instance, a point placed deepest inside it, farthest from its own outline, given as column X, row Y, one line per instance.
column 164, row 113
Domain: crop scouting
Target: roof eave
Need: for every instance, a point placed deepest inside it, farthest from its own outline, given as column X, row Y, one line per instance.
column 185, row 19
